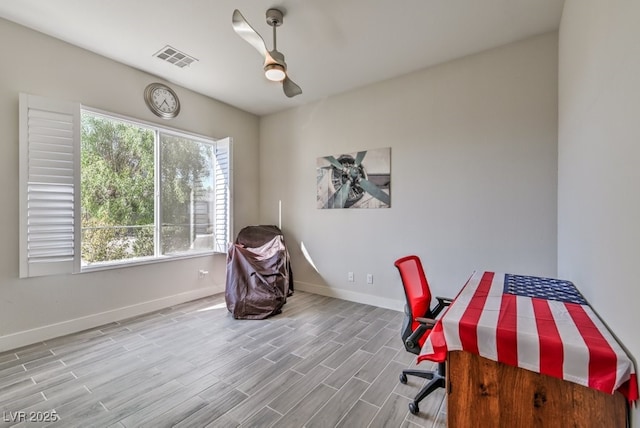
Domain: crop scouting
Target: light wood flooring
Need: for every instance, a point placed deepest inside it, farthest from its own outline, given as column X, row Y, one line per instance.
column 322, row 362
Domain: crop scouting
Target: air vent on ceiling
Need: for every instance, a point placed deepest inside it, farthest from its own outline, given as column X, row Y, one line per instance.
column 174, row 56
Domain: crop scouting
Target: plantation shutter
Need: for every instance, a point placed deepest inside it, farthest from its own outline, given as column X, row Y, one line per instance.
column 222, row 209
column 49, row 186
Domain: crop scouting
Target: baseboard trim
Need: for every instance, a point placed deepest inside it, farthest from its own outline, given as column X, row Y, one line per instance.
column 40, row 334
column 352, row 296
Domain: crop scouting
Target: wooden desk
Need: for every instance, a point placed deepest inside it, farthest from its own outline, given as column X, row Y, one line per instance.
column 527, row 351
column 486, row 393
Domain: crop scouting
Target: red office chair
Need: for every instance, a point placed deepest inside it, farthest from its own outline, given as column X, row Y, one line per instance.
column 418, row 322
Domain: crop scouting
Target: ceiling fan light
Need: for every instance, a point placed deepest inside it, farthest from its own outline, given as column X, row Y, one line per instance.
column 275, row 72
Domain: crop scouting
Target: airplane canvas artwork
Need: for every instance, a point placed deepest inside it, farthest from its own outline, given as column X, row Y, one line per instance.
column 355, row 180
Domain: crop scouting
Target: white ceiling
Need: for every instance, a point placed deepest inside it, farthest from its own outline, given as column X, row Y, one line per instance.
column 331, row 46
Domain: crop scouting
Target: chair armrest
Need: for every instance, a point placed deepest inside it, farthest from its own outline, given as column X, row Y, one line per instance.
column 429, row 322
column 443, row 302
column 425, row 325
column 446, row 301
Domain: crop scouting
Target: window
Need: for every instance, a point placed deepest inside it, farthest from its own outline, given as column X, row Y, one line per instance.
column 98, row 190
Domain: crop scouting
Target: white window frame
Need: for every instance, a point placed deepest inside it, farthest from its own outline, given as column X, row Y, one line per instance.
column 64, row 125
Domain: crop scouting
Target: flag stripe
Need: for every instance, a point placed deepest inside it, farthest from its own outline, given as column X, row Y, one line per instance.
column 488, row 322
column 439, row 342
column 435, row 348
column 469, row 321
column 624, row 371
column 507, row 331
column 528, row 344
column 455, row 312
column 602, row 359
column 575, row 365
column 551, row 351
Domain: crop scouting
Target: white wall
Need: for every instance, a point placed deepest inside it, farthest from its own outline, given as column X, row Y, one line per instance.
column 34, row 309
column 474, row 174
column 599, row 158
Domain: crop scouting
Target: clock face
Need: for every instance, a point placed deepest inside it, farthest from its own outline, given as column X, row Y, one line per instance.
column 162, row 100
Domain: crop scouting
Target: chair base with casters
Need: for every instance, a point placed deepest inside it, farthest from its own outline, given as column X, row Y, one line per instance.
column 436, row 380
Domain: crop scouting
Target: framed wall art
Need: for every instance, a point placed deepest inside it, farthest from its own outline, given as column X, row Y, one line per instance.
column 355, row 180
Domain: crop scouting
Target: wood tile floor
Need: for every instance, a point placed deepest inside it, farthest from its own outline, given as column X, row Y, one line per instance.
column 322, row 362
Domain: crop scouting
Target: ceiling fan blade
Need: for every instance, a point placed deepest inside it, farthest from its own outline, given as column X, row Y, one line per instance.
column 374, row 191
column 359, row 157
column 342, row 194
column 290, row 88
column 334, row 162
column 246, row 31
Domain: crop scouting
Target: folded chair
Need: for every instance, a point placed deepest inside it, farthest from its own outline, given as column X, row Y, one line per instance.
column 418, row 322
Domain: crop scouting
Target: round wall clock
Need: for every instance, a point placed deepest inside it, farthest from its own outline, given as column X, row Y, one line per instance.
column 161, row 100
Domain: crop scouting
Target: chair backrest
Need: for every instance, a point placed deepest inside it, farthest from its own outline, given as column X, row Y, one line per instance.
column 417, row 292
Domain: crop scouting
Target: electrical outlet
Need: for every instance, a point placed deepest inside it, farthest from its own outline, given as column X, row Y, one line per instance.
column 350, row 277
column 369, row 278
column 202, row 273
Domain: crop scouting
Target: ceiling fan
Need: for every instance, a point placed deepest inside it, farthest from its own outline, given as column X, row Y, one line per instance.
column 275, row 69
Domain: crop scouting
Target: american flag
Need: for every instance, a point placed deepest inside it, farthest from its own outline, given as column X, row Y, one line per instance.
column 539, row 324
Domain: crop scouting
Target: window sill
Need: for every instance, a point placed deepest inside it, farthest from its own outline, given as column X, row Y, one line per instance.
column 95, row 267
